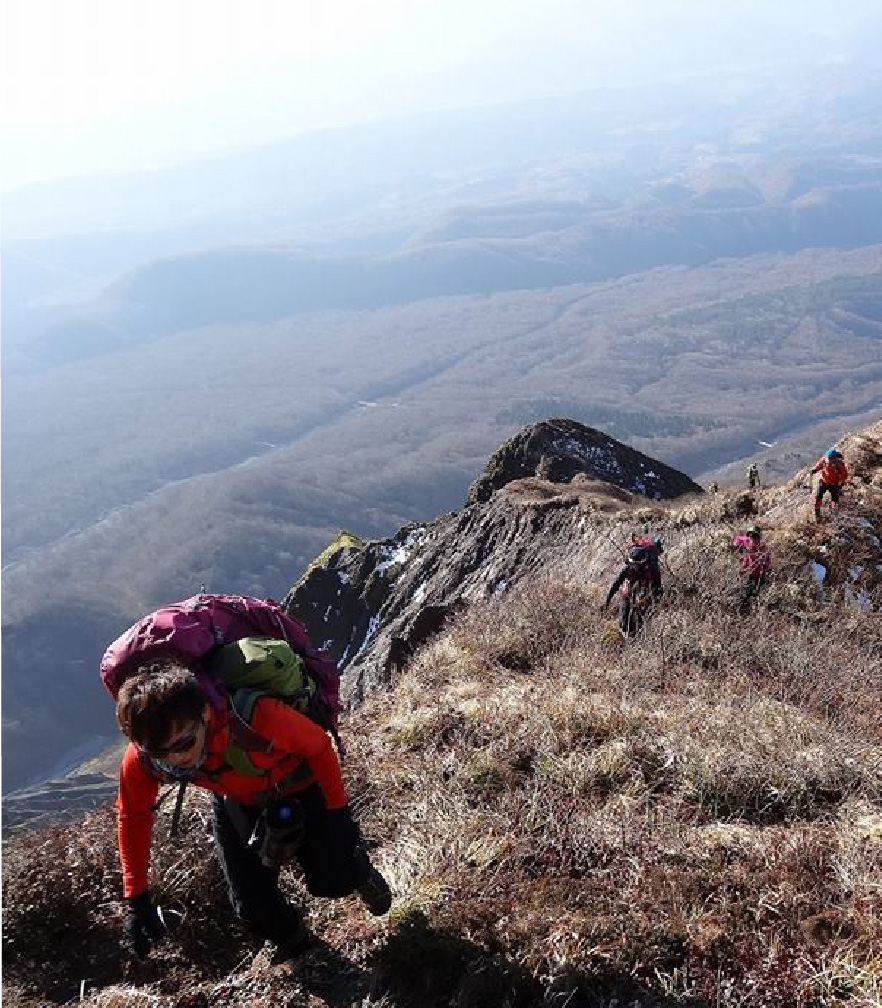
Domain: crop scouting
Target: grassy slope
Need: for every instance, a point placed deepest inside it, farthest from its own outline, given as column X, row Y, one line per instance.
column 694, row 818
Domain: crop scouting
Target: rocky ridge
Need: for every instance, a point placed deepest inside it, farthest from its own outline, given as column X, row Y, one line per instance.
column 558, row 493
column 373, row 604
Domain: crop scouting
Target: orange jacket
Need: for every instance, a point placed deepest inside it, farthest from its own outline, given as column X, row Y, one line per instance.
column 832, row 473
column 298, row 744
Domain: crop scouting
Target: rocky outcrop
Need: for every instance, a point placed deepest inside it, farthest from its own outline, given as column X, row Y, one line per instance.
column 373, row 604
column 559, row 450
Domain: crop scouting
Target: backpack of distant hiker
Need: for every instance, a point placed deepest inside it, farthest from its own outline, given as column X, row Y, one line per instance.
column 652, row 544
column 240, row 649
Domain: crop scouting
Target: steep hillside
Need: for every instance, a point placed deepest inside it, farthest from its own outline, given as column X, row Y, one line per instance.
column 692, row 817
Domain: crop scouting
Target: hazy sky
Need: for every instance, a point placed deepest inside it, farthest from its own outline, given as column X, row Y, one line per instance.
column 108, row 84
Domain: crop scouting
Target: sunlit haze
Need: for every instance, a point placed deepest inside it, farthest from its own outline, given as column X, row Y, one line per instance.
column 114, row 84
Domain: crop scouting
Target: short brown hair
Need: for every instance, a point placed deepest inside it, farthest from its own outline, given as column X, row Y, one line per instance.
column 159, row 697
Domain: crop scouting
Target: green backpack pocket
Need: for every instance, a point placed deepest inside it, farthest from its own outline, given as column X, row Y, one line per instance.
column 255, row 667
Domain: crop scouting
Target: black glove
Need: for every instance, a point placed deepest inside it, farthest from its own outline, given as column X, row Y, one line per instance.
column 143, row 927
column 343, row 825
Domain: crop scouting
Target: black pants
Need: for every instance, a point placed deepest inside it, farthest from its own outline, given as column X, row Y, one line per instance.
column 835, row 493
column 749, row 590
column 327, row 857
column 632, row 613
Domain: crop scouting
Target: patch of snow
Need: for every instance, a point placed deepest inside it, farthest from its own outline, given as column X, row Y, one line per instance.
column 344, row 578
column 500, row 586
column 389, row 555
column 419, row 594
column 856, row 571
column 372, row 628
column 862, row 522
column 651, row 472
column 399, row 556
column 860, row 600
column 600, row 458
column 368, row 635
column 819, row 571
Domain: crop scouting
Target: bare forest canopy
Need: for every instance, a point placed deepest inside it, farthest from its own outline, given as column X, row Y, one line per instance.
column 209, row 370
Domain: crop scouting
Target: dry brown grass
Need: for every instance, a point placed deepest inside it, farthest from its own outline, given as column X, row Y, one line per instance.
column 694, row 818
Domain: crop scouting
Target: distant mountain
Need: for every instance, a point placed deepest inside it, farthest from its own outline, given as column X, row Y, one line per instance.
column 566, row 247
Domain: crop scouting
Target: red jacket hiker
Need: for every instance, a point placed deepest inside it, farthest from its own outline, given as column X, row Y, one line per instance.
column 834, row 472
column 833, row 475
column 283, row 799
column 300, row 749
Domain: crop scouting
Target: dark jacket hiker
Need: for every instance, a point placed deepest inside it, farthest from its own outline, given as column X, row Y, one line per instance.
column 639, row 584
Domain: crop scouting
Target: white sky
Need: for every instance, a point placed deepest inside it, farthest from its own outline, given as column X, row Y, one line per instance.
column 106, row 84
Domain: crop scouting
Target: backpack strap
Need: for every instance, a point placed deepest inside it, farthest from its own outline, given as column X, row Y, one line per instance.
column 241, row 731
column 176, row 815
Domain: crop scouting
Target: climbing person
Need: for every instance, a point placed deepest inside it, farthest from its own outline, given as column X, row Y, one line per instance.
column 753, row 476
column 714, row 487
column 654, row 544
column 639, row 584
column 832, row 477
column 755, row 564
column 278, row 794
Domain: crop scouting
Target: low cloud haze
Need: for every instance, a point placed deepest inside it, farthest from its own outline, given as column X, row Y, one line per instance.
column 103, row 86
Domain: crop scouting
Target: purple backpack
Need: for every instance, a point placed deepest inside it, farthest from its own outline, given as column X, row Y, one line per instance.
column 186, row 632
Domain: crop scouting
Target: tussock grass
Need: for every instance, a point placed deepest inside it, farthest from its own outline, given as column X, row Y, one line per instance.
column 692, row 818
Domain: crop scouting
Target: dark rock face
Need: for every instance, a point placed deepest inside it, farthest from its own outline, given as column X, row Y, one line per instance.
column 372, row 605
column 558, row 450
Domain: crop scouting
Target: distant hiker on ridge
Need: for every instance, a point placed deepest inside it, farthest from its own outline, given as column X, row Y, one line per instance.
column 638, row 582
column 832, row 477
column 755, row 563
column 231, row 724
column 753, row 476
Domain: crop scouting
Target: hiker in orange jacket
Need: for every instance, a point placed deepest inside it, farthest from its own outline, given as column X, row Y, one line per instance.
column 832, row 477
column 296, row 807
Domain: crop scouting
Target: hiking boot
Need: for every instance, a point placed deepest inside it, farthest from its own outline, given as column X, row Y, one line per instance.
column 372, row 887
column 286, row 936
column 275, row 952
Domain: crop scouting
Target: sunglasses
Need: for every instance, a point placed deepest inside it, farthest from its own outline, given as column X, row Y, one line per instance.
column 185, row 742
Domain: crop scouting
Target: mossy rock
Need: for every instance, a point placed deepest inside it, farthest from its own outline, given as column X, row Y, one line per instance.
column 342, row 541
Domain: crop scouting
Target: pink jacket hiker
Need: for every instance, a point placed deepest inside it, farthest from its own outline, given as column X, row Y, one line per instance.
column 755, row 558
